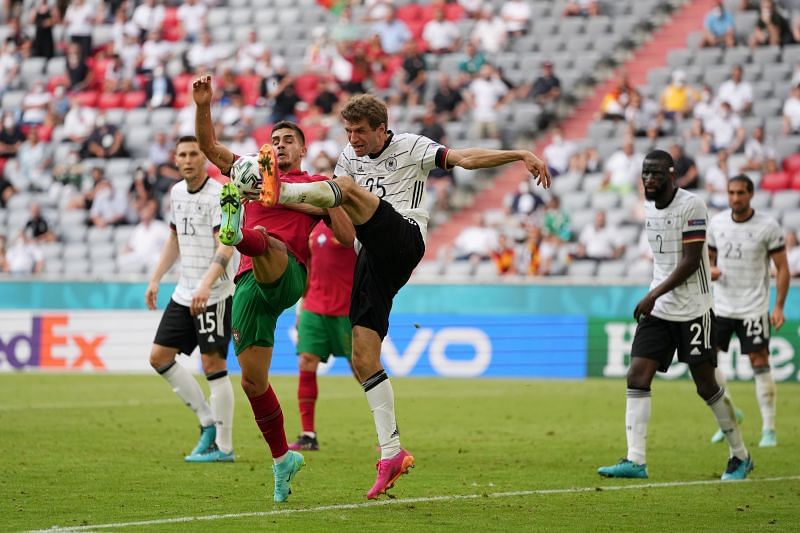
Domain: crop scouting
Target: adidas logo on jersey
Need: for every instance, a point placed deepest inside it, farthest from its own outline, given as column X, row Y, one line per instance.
column 210, row 338
column 695, row 351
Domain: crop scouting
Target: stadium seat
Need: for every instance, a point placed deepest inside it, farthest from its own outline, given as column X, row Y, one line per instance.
column 53, row 266
column 109, row 100
column 75, row 251
column 791, row 163
column 99, row 236
column 582, row 269
column 134, row 99
column 121, row 235
column 56, row 66
column 73, row 234
column 76, row 268
column 103, row 250
column 791, row 219
column 611, row 269
column 776, row 181
column 12, row 100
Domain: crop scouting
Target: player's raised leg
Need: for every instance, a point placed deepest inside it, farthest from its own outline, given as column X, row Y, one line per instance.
column 766, row 393
column 739, row 463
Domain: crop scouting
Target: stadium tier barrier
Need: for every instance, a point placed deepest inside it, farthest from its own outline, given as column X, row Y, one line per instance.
column 552, row 330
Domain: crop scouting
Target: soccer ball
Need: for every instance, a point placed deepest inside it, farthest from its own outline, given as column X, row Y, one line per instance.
column 246, row 176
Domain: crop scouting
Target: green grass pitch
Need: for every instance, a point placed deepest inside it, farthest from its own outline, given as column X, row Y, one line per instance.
column 87, row 450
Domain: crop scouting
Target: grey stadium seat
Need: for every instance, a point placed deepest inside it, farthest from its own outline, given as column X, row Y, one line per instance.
column 785, row 200
column 791, row 220
column 582, row 269
column 611, row 269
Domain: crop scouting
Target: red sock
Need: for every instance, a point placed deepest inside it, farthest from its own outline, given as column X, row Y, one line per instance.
column 254, row 243
column 269, row 417
column 307, row 398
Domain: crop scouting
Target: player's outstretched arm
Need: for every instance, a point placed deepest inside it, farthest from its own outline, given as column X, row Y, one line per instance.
column 689, row 263
column 474, row 158
column 782, row 278
column 217, row 267
column 216, row 152
column 169, row 254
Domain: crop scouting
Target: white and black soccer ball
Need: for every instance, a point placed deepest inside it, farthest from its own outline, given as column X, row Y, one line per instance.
column 246, row 176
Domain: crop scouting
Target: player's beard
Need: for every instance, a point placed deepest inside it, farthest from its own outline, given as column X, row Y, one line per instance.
column 653, row 196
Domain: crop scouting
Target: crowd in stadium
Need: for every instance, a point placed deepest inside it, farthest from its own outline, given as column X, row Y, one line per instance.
column 94, row 135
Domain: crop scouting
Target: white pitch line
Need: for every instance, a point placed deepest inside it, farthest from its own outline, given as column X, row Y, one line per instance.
column 84, row 405
column 404, row 501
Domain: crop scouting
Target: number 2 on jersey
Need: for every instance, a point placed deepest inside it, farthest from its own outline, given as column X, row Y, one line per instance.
column 375, row 186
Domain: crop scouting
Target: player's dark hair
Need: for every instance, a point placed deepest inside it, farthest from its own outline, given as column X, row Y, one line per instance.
column 366, row 106
column 662, row 157
column 744, row 179
column 289, row 125
column 186, row 139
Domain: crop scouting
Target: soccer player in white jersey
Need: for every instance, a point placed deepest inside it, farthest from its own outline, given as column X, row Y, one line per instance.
column 380, row 183
column 199, row 312
column 741, row 243
column 674, row 315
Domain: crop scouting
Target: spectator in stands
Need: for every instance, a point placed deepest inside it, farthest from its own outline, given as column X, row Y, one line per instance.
column 737, row 92
column 760, row 157
column 685, row 167
column 328, row 97
column 237, row 115
column 281, row 91
column 644, row 117
column 83, row 200
column 599, row 241
column 242, row 143
column 160, row 147
column 517, row 16
column 472, row 8
column 79, row 121
column 473, row 59
column 115, row 78
column 475, row 243
column 441, row 35
column 346, row 31
column 204, row 53
column 377, row 10
column 140, row 193
column 156, row 51
column 791, row 112
column 32, row 169
column 109, row 206
column 249, row 53
column 7, row 190
column 558, row 153
column 11, row 136
column 486, row 95
column 546, row 91
column 772, row 28
column 448, row 101
column 535, row 258
column 703, row 111
column 24, row 257
column 78, row 72
column 411, row 77
column 79, row 19
column 43, row 17
column 105, row 141
column 19, row 36
column 147, row 239
column 10, row 79
column 148, row 17
column 524, row 202
column 67, row 179
column 623, row 169
column 158, row 89
column 504, row 257
column 792, row 253
column 716, row 181
column 3, row 253
column 614, row 102
column 37, row 227
column 724, row 130
column 392, row 32
column 719, row 28
column 582, row 8
column 35, row 105
column 677, row 99
column 191, row 15
column 556, row 223
column 489, row 32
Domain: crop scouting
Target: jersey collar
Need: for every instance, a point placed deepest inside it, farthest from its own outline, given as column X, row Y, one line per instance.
column 752, row 214
column 197, row 190
column 385, row 145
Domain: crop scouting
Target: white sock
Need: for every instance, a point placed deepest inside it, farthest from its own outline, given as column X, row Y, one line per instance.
column 188, row 389
column 282, row 458
column 722, row 407
column 311, row 434
column 318, row 193
column 222, row 401
column 766, row 393
column 380, row 397
column 637, row 416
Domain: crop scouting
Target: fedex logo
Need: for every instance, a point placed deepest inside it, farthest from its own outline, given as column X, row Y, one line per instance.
column 49, row 345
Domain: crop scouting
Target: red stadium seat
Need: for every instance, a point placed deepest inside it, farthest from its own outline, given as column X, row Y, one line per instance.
column 183, row 82
column 3, row 162
column 791, row 163
column 88, row 98
column 110, row 100
column 409, row 12
column 263, row 135
column 133, row 99
column 795, row 181
column 55, row 81
column 170, row 17
column 307, row 87
column 416, row 27
column 181, row 100
column 453, row 11
column 776, row 181
column 98, row 67
column 251, row 87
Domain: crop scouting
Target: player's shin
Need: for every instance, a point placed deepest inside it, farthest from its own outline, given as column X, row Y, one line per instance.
column 723, row 410
column 222, row 402
column 269, row 417
column 318, row 193
column 380, row 397
column 637, row 416
column 188, row 389
column 765, row 393
column 307, row 392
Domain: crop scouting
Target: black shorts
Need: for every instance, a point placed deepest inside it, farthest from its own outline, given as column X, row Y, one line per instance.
column 210, row 330
column 392, row 246
column 753, row 333
column 656, row 338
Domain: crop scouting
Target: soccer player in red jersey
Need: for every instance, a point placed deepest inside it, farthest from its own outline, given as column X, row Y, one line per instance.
column 323, row 328
column 273, row 242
